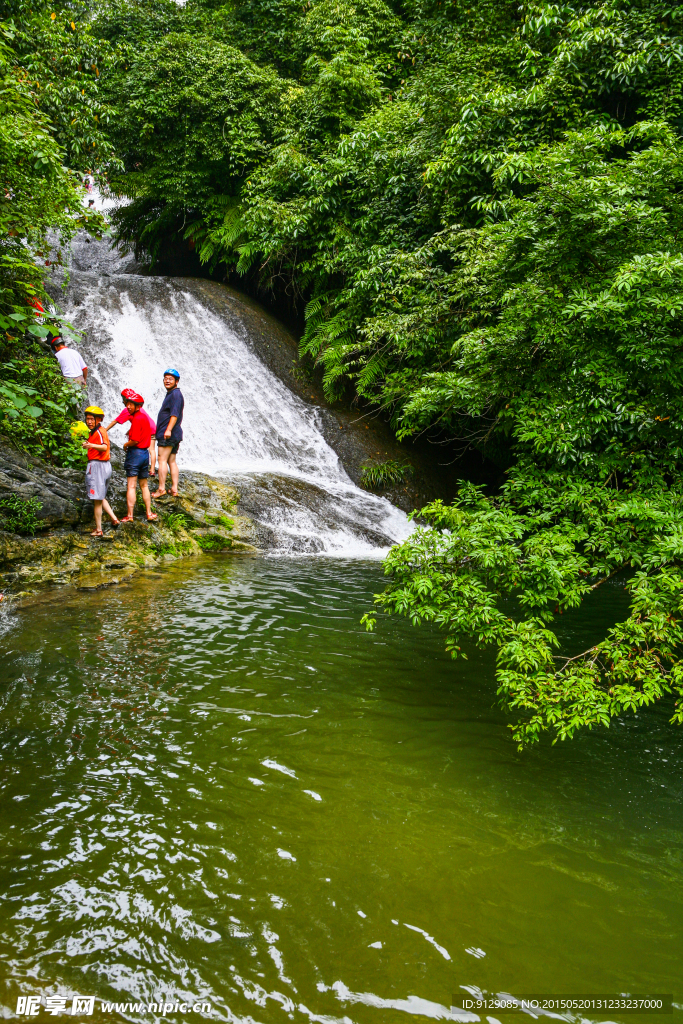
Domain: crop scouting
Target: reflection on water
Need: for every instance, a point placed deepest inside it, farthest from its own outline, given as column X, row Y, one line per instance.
column 217, row 786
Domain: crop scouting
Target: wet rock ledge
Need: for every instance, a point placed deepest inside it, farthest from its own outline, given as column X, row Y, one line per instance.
column 203, row 518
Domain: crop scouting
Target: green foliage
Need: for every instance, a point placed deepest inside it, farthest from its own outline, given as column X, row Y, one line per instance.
column 58, row 63
column 222, row 520
column 213, row 542
column 177, row 549
column 267, row 31
column 376, row 476
column 194, row 117
column 129, row 25
column 548, row 546
column 478, row 207
column 19, row 515
column 37, row 407
column 39, row 193
column 69, row 453
column 49, row 114
column 178, row 522
column 18, row 401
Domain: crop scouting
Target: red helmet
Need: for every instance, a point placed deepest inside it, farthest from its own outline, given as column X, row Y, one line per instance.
column 129, row 395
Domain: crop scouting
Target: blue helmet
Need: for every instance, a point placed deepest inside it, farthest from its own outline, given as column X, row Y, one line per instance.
column 173, row 373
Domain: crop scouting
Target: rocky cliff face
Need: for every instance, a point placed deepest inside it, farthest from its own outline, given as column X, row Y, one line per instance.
column 204, row 518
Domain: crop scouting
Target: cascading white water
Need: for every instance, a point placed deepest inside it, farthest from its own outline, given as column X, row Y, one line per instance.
column 240, row 420
column 238, row 416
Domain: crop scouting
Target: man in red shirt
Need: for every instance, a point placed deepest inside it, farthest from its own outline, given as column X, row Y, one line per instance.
column 124, row 417
column 136, row 464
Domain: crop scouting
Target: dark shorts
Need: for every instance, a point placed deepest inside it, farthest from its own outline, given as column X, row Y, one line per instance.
column 163, row 442
column 137, row 462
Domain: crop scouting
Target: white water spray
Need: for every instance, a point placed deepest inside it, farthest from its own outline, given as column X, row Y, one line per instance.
column 240, row 420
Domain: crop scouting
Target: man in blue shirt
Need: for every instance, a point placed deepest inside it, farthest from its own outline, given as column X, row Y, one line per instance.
column 169, row 432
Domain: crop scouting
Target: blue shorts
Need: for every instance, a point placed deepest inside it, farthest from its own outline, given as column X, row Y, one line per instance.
column 137, row 462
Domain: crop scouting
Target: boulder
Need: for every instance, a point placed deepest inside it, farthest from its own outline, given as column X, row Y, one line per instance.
column 60, row 491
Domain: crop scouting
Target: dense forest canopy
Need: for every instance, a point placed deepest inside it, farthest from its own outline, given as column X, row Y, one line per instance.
column 51, row 135
column 478, row 206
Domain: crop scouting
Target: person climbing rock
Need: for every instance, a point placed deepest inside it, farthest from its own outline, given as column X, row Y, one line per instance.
column 99, row 467
column 169, row 432
column 71, row 362
column 124, row 417
column 136, row 465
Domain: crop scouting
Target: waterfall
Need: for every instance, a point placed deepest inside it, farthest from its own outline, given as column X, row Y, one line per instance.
column 241, row 423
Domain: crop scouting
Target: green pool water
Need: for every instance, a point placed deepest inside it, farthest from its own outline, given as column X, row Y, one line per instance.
column 216, row 786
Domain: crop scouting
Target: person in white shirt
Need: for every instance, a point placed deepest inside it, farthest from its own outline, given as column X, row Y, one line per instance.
column 71, row 363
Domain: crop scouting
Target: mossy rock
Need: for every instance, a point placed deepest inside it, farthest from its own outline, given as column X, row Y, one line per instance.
column 213, row 541
column 65, row 553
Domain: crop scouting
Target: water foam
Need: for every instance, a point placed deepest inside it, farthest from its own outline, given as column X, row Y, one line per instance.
column 240, row 420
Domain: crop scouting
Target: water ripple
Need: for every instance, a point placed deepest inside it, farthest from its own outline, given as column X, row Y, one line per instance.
column 217, row 786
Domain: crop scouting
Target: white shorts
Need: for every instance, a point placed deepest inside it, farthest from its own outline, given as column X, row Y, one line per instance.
column 96, row 478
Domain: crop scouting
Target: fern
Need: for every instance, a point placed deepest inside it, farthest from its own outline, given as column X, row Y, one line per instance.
column 248, row 253
column 376, row 476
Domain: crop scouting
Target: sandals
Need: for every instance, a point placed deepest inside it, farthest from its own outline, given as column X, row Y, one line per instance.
column 127, row 519
column 152, row 517
column 97, row 533
column 116, row 523
column 158, row 494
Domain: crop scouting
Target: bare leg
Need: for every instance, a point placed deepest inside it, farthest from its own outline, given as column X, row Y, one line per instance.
column 163, row 466
column 144, row 487
column 175, row 474
column 152, row 457
column 97, row 508
column 130, row 494
column 108, row 509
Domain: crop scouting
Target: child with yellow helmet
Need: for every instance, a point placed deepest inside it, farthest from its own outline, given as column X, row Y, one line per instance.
column 99, row 467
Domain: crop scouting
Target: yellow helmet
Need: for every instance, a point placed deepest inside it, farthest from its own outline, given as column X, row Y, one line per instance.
column 94, row 410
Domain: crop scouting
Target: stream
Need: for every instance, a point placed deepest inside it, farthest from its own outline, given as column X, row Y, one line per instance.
column 218, row 790
column 217, row 786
